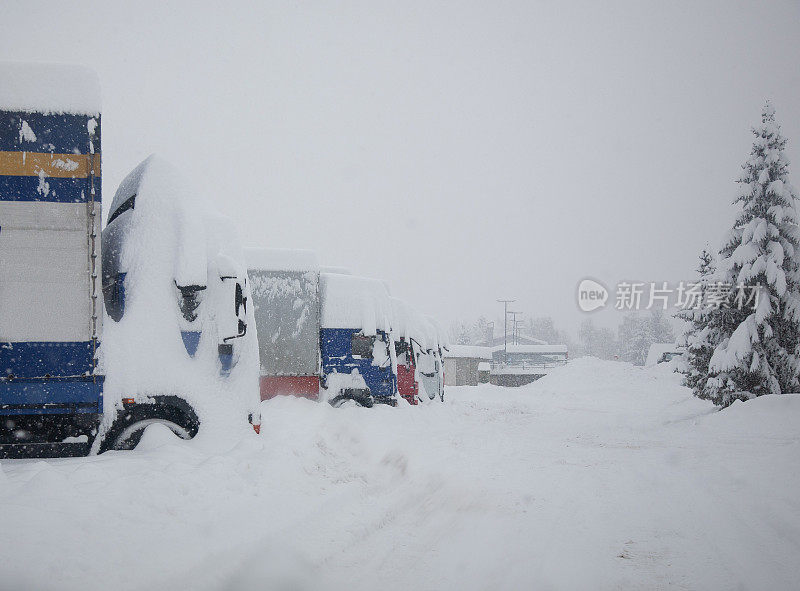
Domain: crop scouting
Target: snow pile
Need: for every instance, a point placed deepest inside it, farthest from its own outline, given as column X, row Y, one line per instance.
column 50, row 88
column 169, row 238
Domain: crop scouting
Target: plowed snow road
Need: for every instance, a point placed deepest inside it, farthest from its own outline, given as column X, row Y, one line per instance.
column 600, row 476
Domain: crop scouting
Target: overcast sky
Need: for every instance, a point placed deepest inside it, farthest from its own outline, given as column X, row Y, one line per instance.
column 462, row 151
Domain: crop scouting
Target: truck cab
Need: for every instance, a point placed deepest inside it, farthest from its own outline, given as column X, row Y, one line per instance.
column 430, row 365
column 180, row 345
column 359, row 363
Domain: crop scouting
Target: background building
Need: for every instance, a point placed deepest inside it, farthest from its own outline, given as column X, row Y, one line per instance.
column 461, row 364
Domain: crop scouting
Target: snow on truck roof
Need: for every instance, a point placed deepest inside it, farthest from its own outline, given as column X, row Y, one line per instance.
column 349, row 301
column 281, row 259
column 50, row 88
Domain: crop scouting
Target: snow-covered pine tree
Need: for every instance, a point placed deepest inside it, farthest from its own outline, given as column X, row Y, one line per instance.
column 758, row 351
column 635, row 338
column 660, row 330
column 699, row 347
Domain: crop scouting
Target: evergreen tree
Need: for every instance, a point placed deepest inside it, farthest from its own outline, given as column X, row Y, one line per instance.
column 544, row 329
column 758, row 351
column 596, row 342
column 696, row 337
column 635, row 338
column 482, row 330
column 660, row 330
column 587, row 335
column 460, row 333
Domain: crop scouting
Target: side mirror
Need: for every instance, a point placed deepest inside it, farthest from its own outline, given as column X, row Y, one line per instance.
column 234, row 289
column 240, row 302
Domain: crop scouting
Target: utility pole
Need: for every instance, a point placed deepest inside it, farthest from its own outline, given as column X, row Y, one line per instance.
column 514, row 326
column 505, row 326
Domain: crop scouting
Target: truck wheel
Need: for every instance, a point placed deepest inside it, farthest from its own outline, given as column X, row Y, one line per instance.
column 352, row 398
column 171, row 411
column 342, row 402
column 132, row 434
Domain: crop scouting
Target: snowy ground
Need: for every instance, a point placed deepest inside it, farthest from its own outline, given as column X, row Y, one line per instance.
column 600, row 476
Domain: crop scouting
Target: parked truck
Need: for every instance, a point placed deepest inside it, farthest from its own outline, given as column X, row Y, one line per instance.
column 406, row 332
column 359, row 364
column 180, row 346
column 431, row 363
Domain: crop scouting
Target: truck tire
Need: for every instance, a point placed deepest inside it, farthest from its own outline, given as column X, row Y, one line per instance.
column 170, row 411
column 131, row 435
column 352, row 397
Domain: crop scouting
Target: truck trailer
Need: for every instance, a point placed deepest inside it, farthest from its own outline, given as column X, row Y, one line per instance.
column 286, row 304
column 51, row 391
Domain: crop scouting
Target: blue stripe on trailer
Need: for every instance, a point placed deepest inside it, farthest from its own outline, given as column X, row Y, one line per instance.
column 40, row 359
column 56, row 190
column 42, row 396
column 61, row 133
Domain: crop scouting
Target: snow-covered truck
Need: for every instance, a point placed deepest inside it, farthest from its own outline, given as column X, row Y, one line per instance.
column 286, row 304
column 359, row 364
column 406, row 332
column 439, row 346
column 180, row 347
column 51, row 392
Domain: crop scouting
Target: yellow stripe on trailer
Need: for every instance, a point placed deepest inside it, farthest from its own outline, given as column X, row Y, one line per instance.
column 76, row 166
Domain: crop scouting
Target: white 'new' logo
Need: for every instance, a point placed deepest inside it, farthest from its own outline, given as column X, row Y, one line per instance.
column 591, row 295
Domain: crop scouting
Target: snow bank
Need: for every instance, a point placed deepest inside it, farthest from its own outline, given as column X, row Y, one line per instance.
column 770, row 416
column 51, row 88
